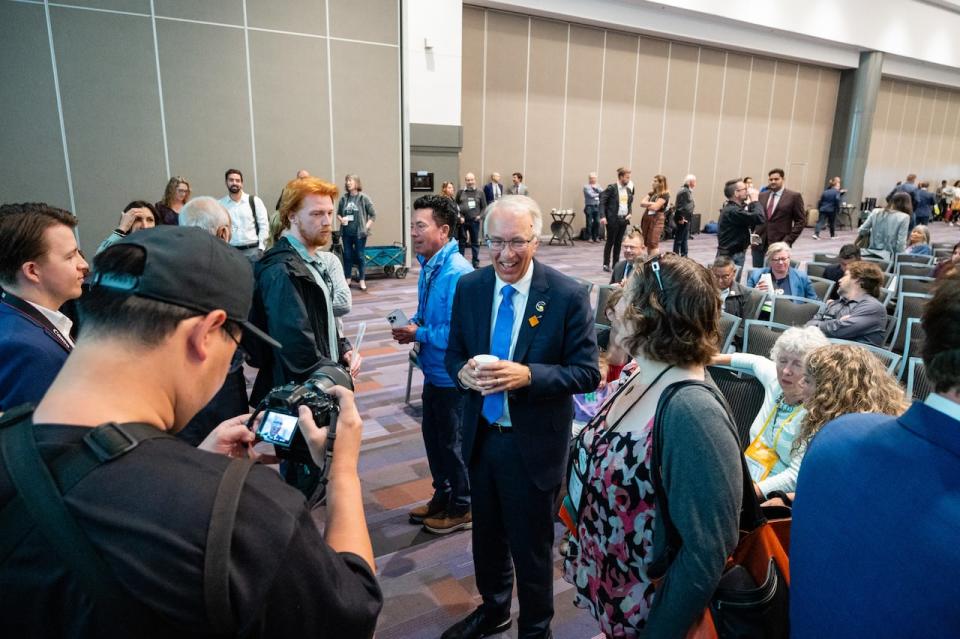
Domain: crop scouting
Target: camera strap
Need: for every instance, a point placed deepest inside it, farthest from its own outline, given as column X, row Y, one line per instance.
column 39, row 503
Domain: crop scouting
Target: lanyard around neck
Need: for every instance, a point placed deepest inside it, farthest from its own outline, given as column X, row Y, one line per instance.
column 773, row 414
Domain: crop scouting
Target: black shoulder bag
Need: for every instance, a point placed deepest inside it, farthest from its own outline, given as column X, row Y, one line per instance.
column 39, row 503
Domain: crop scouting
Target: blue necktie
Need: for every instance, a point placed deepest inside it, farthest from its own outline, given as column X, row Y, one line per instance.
column 500, row 346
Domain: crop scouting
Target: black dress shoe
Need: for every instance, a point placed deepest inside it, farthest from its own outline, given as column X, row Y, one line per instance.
column 477, row 624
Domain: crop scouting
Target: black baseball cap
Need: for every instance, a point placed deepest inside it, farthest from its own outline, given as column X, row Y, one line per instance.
column 189, row 267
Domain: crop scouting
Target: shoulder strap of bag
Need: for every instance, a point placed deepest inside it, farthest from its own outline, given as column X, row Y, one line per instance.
column 256, row 222
column 41, row 499
column 751, row 516
column 216, row 566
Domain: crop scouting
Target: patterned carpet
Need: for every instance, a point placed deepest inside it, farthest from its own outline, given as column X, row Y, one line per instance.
column 427, row 580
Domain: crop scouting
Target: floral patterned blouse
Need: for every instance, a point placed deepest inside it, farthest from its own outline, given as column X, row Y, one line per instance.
column 608, row 560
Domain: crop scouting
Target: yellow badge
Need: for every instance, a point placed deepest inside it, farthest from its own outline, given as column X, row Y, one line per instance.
column 533, row 320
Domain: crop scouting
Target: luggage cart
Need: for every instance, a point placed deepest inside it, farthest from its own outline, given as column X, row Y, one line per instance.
column 389, row 259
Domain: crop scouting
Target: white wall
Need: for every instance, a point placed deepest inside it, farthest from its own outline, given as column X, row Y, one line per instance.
column 921, row 37
column 433, row 75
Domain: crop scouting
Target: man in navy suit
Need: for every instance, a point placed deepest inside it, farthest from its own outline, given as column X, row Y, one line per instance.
column 517, row 413
column 40, row 269
column 889, row 570
column 493, row 190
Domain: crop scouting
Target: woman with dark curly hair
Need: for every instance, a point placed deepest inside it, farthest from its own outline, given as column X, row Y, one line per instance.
column 667, row 321
column 839, row 380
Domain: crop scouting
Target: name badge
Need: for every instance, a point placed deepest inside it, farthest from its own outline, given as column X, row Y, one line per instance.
column 348, row 218
column 471, row 204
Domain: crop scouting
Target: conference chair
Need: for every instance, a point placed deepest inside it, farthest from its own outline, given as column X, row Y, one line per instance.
column 912, row 258
column 816, row 269
column 413, row 363
column 759, row 336
column 908, row 305
column 743, row 392
column 826, row 258
column 728, row 330
column 794, row 311
column 885, row 265
column 912, row 344
column 918, row 384
column 821, row 285
column 603, row 294
column 922, row 270
column 891, row 361
column 914, row 284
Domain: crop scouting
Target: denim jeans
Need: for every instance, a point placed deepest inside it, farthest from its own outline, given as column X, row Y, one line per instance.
column 354, row 247
column 826, row 218
column 593, row 221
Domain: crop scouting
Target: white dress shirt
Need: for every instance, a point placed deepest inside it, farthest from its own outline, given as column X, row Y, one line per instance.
column 243, row 231
column 519, row 300
column 62, row 323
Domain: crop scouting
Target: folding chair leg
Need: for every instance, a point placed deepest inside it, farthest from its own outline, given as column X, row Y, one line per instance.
column 409, row 382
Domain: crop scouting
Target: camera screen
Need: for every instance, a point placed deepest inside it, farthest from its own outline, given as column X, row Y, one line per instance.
column 278, row 428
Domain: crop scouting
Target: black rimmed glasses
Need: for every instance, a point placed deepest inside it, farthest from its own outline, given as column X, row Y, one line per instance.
column 517, row 244
column 232, row 329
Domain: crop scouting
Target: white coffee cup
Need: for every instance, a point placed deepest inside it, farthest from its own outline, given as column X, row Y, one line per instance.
column 485, row 359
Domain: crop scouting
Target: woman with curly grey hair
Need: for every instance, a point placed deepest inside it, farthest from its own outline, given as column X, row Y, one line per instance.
column 773, row 459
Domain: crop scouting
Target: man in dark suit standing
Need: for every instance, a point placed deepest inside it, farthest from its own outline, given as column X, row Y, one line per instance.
column 785, row 215
column 616, row 205
column 517, row 413
column 493, row 190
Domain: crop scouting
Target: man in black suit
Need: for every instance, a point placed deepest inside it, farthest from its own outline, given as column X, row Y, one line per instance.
column 517, row 413
column 616, row 205
column 493, row 190
column 632, row 248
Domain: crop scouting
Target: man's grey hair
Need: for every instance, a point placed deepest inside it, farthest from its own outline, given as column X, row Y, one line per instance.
column 206, row 213
column 516, row 204
column 592, row 175
column 690, row 178
column 778, row 247
column 798, row 341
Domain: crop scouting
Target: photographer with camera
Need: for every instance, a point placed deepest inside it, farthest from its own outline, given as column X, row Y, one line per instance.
column 110, row 527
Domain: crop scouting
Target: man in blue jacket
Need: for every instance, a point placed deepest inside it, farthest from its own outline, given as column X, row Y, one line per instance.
column 40, row 269
column 828, row 206
column 873, row 548
column 432, row 233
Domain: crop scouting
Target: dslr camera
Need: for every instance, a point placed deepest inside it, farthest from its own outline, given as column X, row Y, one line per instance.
column 280, row 409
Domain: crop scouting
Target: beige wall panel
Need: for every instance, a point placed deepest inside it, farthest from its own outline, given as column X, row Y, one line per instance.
column 288, row 15
column 618, row 93
column 583, row 112
column 292, row 131
column 913, row 128
column 651, row 94
column 820, row 136
column 548, row 59
column 878, row 140
column 367, row 20
column 923, row 149
column 506, row 86
column 206, row 137
column 781, row 117
column 366, row 135
column 680, row 114
column 950, row 156
column 706, row 130
column 32, row 167
column 801, row 133
column 135, row 6
column 758, row 117
column 471, row 108
column 219, row 11
column 111, row 115
column 733, row 136
column 937, row 135
column 895, row 150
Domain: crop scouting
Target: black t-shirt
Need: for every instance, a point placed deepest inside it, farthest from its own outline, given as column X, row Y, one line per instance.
column 147, row 513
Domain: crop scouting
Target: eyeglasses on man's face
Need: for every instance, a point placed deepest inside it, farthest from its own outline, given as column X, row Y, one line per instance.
column 516, row 244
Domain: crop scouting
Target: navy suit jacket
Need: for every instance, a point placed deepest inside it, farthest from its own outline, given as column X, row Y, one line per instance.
column 556, row 340
column 873, row 543
column 488, row 191
column 30, row 359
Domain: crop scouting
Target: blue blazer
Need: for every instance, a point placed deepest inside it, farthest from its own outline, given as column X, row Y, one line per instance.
column 556, row 340
column 30, row 358
column 488, row 191
column 800, row 285
column 873, row 544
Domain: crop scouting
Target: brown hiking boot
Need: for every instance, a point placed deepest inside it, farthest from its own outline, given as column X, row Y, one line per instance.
column 445, row 523
column 430, row 509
